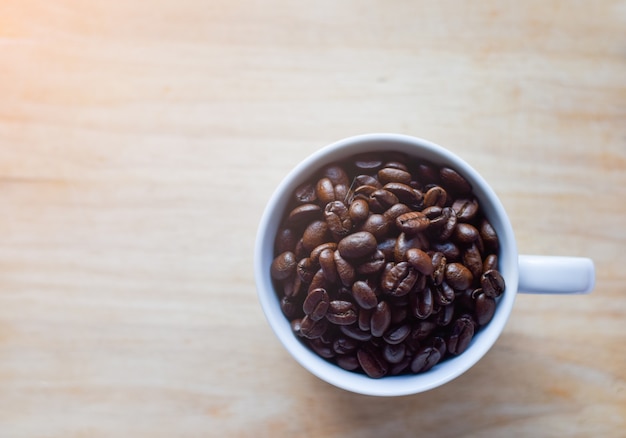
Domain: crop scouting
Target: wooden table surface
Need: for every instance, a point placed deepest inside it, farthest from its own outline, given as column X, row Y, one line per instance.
column 139, row 142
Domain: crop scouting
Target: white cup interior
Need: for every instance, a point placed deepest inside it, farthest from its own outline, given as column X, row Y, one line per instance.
column 390, row 385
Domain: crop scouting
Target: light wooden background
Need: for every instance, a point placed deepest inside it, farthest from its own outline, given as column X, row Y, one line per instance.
column 140, row 140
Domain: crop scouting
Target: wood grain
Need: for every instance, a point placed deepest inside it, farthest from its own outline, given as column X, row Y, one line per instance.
column 139, row 142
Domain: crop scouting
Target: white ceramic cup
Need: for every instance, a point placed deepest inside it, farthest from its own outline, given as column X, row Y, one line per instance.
column 523, row 273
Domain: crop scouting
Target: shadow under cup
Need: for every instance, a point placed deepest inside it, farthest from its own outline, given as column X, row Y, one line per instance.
column 446, row 370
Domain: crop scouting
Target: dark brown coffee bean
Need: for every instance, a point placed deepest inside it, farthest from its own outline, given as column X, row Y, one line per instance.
column 315, row 253
column 338, row 218
column 400, row 367
column 381, row 199
column 420, row 261
column 439, row 263
column 292, row 287
column 435, row 196
column 448, row 249
column 438, row 343
column 445, row 315
column 364, row 192
column 472, row 259
column 377, row 225
column 303, row 215
column 306, row 269
column 427, row 173
column 404, row 193
column 454, row 182
column 318, row 281
column 443, row 294
column 398, row 279
column 461, row 335
column 396, row 160
column 283, row 266
column 484, row 309
column 404, row 242
column 357, row 245
column 316, row 304
column 345, row 345
column 321, row 348
column 315, row 234
column 413, row 222
column 312, row 329
column 397, row 334
column 458, row 276
column 490, row 262
column 359, row 210
column 489, row 236
column 345, row 270
column 372, row 363
column 354, row 332
column 394, row 353
column 364, row 295
column 288, row 306
column 365, row 320
column 348, row 362
column 425, row 359
column 465, row 234
column 305, row 193
column 422, row 330
column 393, row 212
column 465, row 208
column 341, row 313
column 389, row 174
column 381, row 319
column 422, row 303
column 372, row 264
column 492, row 283
column 328, row 266
column 368, row 161
column 325, row 191
column 286, row 240
column 336, row 174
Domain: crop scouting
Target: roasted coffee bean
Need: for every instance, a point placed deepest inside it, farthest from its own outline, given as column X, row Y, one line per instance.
column 393, row 212
column 492, row 283
column 377, row 225
column 347, row 362
column 336, row 174
column 372, row 264
column 461, row 335
column 338, row 218
column 286, row 240
column 345, row 345
column 315, row 253
column 381, row 319
column 357, row 245
column 422, row 303
column 401, row 366
column 425, row 359
column 405, row 193
column 328, row 265
column 465, row 234
column 454, row 182
column 443, row 294
column 359, row 210
column 390, row 174
column 438, row 343
column 397, row 334
column 422, row 329
column 448, row 249
column 445, row 315
column 489, row 236
column 305, row 193
column 283, row 266
column 396, row 160
column 318, row 281
column 312, row 329
column 435, row 196
column 364, row 295
column 439, row 263
column 472, row 259
column 315, row 234
column 306, row 269
column 372, row 363
column 364, row 192
column 398, row 279
column 321, row 348
column 394, row 353
column 368, row 161
column 288, row 306
column 341, row 313
column 316, row 304
column 458, row 276
column 292, row 287
column 413, row 222
column 381, row 199
column 345, row 270
column 405, row 242
column 490, row 262
column 365, row 319
column 427, row 173
column 484, row 309
column 354, row 332
column 465, row 208
column 325, row 191
column 366, row 180
column 303, row 214
column 420, row 260
column 448, row 224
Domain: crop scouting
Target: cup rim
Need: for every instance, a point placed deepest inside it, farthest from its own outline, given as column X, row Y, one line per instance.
column 388, row 385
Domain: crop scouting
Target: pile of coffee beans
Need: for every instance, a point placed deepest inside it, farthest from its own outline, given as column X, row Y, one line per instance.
column 386, row 265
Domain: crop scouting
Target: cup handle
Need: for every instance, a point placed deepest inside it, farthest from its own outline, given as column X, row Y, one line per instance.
column 556, row 275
